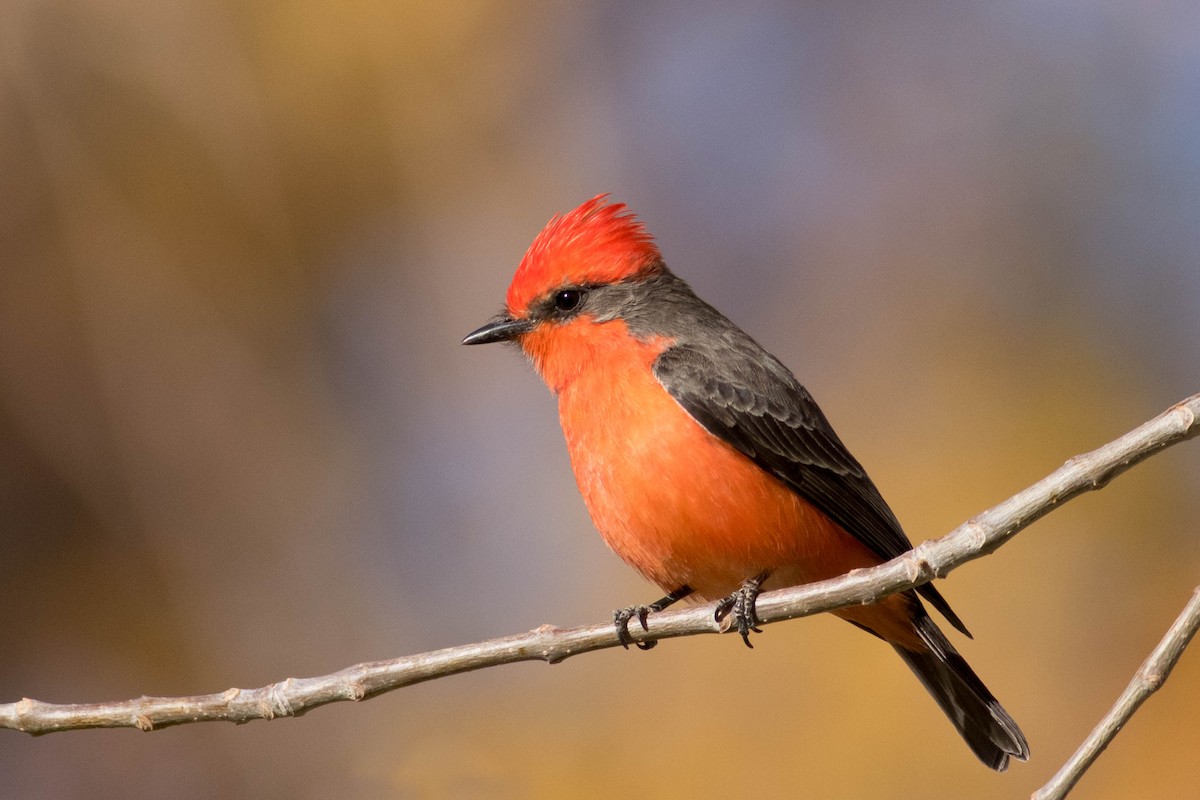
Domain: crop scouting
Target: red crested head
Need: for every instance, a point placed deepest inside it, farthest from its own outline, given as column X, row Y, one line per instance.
column 596, row 243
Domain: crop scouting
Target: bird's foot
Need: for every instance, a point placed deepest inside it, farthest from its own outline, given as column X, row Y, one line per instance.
column 622, row 616
column 741, row 605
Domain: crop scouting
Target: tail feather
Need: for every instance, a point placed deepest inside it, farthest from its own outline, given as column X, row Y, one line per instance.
column 986, row 727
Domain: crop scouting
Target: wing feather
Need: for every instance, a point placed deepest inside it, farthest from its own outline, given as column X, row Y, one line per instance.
column 748, row 398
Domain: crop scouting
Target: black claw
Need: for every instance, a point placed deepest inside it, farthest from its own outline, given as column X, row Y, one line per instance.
column 622, row 616
column 621, row 619
column 641, row 612
column 723, row 609
column 741, row 605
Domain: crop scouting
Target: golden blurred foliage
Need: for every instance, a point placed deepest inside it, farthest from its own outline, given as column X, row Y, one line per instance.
column 239, row 243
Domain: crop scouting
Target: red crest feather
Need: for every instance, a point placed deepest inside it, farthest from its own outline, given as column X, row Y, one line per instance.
column 596, row 243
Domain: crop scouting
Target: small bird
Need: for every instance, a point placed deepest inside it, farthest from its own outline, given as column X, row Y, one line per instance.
column 704, row 463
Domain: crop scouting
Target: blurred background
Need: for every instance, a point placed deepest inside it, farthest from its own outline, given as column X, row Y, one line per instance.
column 239, row 441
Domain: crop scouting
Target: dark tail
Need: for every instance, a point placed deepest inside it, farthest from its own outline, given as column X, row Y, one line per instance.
column 987, row 728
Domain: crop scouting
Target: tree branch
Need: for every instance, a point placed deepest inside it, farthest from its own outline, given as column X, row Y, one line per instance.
column 1148, row 680
column 933, row 559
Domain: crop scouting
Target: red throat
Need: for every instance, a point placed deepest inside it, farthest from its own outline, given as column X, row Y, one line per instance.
column 561, row 353
column 596, row 243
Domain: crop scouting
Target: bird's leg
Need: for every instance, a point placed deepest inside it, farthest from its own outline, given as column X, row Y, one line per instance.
column 741, row 603
column 622, row 616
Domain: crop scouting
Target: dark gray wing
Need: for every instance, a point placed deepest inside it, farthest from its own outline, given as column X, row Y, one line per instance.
column 746, row 397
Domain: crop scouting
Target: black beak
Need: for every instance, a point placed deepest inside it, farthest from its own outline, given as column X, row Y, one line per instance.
column 501, row 329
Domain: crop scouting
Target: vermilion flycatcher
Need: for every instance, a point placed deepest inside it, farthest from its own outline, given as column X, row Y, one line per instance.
column 704, row 463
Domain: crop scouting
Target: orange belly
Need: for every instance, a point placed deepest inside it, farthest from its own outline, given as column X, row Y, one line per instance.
column 683, row 507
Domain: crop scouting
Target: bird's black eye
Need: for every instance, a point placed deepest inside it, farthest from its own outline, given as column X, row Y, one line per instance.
column 568, row 299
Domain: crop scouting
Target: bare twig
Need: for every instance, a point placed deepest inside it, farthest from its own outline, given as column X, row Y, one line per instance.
column 294, row 696
column 1148, row 680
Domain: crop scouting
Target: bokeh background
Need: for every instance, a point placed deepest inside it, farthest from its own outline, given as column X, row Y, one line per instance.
column 239, row 440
